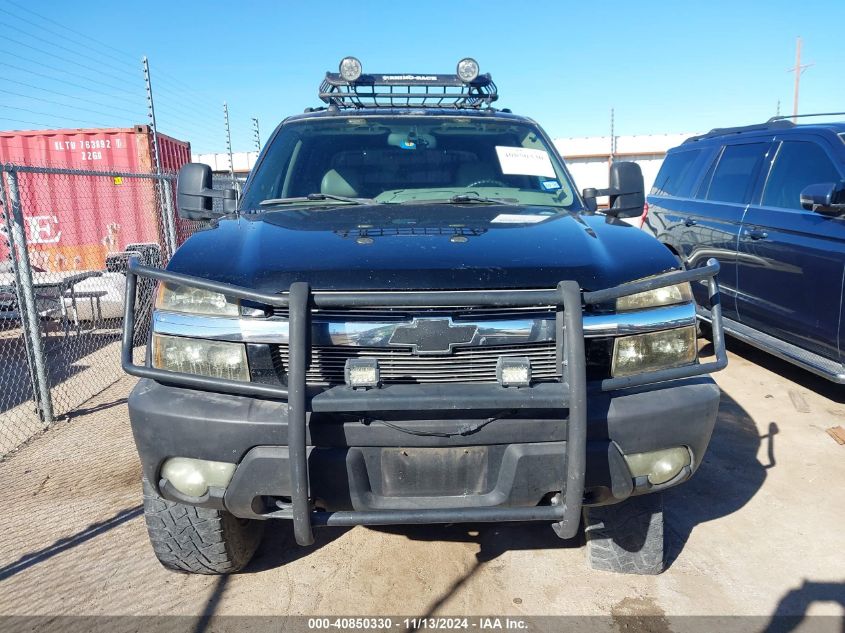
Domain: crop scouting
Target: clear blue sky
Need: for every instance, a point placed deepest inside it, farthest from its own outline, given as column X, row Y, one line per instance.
column 664, row 66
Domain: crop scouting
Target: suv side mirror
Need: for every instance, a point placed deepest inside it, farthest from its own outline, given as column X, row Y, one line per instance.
column 194, row 194
column 826, row 197
column 626, row 191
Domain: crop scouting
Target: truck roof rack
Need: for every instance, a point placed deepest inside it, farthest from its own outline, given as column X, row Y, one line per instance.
column 794, row 116
column 351, row 89
column 775, row 123
column 757, row 127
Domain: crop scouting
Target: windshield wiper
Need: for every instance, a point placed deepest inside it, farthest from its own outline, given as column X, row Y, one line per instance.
column 314, row 197
column 463, row 198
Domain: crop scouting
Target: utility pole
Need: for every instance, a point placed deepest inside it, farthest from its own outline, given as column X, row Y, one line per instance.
column 229, row 145
column 256, row 135
column 798, row 70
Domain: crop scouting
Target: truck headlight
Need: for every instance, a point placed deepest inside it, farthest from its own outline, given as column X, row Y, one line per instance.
column 655, row 350
column 665, row 296
column 177, row 298
column 218, row 359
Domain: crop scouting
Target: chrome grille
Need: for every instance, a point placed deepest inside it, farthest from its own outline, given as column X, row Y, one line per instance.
column 401, row 314
column 400, row 365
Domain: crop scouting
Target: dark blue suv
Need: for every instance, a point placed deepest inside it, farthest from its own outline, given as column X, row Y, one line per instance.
column 769, row 202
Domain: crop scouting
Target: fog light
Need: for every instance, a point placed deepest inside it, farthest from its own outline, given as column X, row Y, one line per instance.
column 361, row 372
column 350, row 69
column 468, row 69
column 513, row 372
column 193, row 477
column 659, row 466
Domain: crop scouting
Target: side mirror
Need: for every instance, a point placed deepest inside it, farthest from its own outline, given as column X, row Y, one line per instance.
column 626, row 191
column 825, row 197
column 195, row 196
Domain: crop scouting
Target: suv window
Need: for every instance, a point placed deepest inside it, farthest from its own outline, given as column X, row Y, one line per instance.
column 735, row 173
column 797, row 164
column 676, row 174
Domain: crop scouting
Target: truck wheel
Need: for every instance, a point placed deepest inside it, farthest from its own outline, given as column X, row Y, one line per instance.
column 626, row 537
column 198, row 540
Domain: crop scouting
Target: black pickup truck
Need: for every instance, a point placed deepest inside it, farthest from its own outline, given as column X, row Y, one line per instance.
column 410, row 315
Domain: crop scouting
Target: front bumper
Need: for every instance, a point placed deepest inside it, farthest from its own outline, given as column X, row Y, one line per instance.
column 363, row 465
column 290, row 417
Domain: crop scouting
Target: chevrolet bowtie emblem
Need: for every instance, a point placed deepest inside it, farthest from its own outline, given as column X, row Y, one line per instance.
column 432, row 336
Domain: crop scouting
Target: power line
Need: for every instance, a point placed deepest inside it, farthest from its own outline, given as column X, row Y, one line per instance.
column 201, row 124
column 47, row 114
column 66, row 28
column 64, row 105
column 120, row 89
column 82, row 44
column 43, row 52
column 160, row 76
column 64, row 48
column 67, row 96
column 3, row 118
column 64, row 81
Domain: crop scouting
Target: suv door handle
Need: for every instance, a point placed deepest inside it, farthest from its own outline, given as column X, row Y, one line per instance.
column 755, row 234
column 690, row 222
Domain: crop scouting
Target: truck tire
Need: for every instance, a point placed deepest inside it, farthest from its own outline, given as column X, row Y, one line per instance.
column 198, row 540
column 626, row 537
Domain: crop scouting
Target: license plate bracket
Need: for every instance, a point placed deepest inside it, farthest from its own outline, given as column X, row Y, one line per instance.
column 442, row 471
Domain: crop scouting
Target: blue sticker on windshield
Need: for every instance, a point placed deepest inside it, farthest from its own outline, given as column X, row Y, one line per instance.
column 549, row 185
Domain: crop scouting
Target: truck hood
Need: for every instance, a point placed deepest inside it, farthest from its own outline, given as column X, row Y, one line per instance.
column 421, row 247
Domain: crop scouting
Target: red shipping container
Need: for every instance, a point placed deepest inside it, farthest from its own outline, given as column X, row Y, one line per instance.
column 73, row 222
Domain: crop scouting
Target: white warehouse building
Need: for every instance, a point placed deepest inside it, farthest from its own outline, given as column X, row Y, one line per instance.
column 589, row 157
column 242, row 162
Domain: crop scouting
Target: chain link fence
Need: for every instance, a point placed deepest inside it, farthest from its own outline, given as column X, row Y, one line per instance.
column 66, row 239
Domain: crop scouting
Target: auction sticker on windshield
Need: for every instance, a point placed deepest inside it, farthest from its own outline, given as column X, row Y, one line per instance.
column 525, row 161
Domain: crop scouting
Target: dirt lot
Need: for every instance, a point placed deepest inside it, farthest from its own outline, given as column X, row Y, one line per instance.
column 759, row 530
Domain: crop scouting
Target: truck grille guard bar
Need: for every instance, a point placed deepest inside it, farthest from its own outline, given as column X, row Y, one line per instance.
column 571, row 393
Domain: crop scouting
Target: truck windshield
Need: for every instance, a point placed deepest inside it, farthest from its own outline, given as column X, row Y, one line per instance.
column 406, row 159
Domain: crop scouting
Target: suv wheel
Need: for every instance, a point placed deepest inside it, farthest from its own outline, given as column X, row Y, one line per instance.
column 198, row 540
column 626, row 537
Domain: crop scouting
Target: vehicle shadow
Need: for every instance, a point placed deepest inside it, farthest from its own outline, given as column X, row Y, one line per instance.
column 727, row 479
column 278, row 547
column 788, row 371
column 492, row 539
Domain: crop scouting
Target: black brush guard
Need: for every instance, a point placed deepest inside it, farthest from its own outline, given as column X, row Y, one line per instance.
column 570, row 393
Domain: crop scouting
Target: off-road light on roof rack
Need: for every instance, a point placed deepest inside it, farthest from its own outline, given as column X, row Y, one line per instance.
column 350, row 88
column 350, row 68
column 468, row 69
